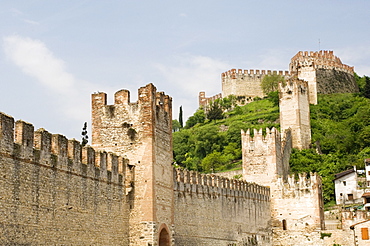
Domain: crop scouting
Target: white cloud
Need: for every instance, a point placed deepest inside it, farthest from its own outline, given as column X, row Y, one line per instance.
column 36, row 60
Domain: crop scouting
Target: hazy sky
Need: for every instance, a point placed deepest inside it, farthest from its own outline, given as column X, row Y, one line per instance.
column 54, row 54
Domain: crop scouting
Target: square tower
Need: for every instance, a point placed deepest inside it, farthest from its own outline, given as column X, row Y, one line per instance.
column 295, row 111
column 142, row 132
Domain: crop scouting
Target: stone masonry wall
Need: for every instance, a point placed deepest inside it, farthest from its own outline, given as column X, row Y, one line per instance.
column 53, row 192
column 295, row 111
column 212, row 210
column 245, row 85
column 324, row 72
column 263, row 156
column 297, row 204
column 142, row 132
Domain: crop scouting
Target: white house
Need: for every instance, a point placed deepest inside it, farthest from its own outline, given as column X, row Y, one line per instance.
column 346, row 187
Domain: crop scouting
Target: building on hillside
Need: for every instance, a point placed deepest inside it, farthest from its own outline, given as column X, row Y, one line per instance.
column 367, row 171
column 347, row 189
column 361, row 233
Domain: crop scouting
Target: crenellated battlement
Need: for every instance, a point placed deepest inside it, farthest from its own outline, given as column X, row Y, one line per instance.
column 122, row 127
column 255, row 73
column 214, row 185
column 254, row 136
column 301, row 182
column 321, row 59
column 204, row 101
column 146, row 94
column 245, row 85
column 293, row 85
column 19, row 141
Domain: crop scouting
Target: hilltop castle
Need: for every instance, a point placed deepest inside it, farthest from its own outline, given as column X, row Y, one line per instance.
column 124, row 190
column 323, row 71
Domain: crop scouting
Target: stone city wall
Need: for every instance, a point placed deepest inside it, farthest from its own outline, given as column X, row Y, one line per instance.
column 245, row 84
column 205, row 101
column 212, row 210
column 53, row 192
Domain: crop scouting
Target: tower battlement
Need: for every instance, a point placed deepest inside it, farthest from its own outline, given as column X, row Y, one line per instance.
column 320, row 59
column 265, row 155
column 324, row 72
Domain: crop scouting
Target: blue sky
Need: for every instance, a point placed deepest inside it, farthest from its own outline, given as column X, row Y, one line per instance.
column 54, row 54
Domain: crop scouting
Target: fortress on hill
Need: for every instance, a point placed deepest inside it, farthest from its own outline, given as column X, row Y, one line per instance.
column 324, row 72
column 123, row 190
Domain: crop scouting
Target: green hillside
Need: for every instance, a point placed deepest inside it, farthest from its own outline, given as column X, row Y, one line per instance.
column 340, row 126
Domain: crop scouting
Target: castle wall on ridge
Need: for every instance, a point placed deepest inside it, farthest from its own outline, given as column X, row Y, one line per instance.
column 53, row 192
column 212, row 210
column 245, row 84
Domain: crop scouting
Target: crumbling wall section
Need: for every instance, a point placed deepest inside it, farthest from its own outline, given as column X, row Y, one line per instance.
column 53, row 192
column 212, row 210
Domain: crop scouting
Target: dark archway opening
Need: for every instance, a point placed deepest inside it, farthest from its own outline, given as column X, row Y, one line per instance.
column 164, row 238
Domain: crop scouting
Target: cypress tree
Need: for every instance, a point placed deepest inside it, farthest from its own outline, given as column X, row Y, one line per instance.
column 180, row 118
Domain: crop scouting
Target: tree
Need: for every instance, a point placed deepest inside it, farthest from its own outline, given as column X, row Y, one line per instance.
column 84, row 135
column 175, row 125
column 215, row 111
column 366, row 92
column 270, row 83
column 180, row 118
column 198, row 117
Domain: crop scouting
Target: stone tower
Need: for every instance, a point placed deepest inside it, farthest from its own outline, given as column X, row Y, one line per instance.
column 295, row 111
column 265, row 156
column 324, row 73
column 141, row 131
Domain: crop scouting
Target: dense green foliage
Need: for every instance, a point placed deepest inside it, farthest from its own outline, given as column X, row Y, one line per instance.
column 340, row 126
column 209, row 145
column 270, row 83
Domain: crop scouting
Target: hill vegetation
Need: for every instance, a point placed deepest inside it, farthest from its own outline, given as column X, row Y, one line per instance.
column 340, row 126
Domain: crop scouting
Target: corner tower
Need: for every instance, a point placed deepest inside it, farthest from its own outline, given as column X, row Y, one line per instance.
column 295, row 111
column 324, row 72
column 142, row 132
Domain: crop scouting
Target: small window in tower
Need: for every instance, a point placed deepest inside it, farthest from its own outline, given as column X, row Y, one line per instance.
column 344, row 183
column 350, row 197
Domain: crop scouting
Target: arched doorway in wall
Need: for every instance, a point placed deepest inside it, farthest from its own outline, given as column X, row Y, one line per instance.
column 164, row 237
